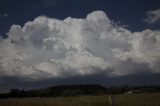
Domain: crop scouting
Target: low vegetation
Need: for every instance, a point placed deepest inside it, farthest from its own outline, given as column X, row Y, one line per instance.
column 59, row 101
column 152, row 99
column 79, row 90
column 83, row 95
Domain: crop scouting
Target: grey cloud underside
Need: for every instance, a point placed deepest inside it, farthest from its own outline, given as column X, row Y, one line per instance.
column 50, row 48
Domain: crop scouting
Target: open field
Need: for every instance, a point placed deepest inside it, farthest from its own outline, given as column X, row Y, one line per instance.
column 138, row 100
column 120, row 100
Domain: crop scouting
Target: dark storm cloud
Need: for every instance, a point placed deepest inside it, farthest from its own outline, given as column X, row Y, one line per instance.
column 142, row 78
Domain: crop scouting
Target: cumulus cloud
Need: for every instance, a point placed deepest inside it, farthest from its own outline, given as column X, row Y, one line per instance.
column 52, row 48
column 153, row 16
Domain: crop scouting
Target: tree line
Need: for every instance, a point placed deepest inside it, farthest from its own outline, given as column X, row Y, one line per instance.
column 79, row 90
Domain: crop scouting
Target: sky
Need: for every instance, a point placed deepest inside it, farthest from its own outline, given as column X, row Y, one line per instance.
column 54, row 42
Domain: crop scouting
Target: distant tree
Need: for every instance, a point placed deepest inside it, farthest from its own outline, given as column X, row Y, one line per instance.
column 124, row 88
column 77, row 90
column 14, row 93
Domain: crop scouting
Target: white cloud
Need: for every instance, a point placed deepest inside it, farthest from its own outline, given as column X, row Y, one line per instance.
column 48, row 47
column 153, row 16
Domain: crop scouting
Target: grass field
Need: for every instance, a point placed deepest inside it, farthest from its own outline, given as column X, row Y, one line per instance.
column 138, row 100
column 120, row 100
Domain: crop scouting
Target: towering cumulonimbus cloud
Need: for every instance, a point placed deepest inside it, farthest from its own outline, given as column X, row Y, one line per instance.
column 51, row 48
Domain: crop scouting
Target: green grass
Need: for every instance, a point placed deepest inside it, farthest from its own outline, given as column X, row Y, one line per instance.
column 121, row 100
column 138, row 100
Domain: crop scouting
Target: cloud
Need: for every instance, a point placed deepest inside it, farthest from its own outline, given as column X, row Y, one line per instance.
column 3, row 15
column 153, row 16
column 51, row 48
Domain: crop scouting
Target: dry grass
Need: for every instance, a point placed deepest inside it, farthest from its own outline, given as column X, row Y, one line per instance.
column 138, row 100
column 120, row 100
column 59, row 101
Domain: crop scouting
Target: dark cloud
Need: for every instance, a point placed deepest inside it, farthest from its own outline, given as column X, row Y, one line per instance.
column 136, row 79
